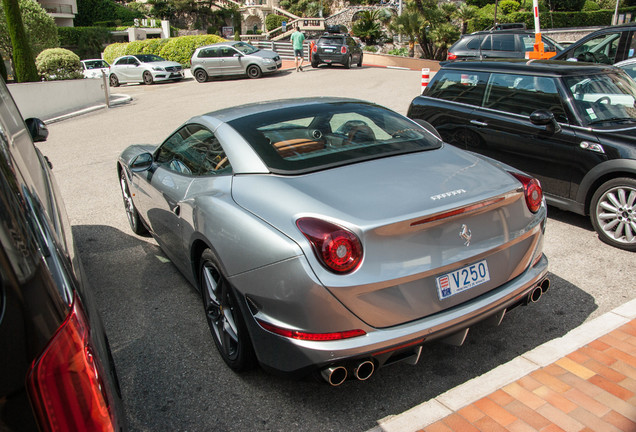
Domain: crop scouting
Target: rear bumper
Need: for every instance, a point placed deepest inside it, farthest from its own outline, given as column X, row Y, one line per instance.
column 383, row 346
column 329, row 58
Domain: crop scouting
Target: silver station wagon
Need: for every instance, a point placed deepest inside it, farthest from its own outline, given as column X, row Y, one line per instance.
column 233, row 58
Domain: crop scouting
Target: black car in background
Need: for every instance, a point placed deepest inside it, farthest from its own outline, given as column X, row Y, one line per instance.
column 571, row 125
column 609, row 45
column 336, row 48
column 503, row 43
column 56, row 370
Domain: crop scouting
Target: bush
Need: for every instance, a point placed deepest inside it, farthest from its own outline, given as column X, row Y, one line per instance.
column 403, row 52
column 58, row 64
column 371, row 48
column 590, row 6
column 39, row 27
column 274, row 21
column 179, row 49
column 87, row 42
column 509, row 6
column 89, row 12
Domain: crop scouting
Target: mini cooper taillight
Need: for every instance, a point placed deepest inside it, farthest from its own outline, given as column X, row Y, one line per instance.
column 343, row 49
column 337, row 248
column 532, row 191
column 314, row 48
column 65, row 383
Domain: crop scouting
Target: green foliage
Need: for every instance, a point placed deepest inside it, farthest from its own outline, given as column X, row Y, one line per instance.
column 508, row 6
column 371, row 48
column 367, row 27
column 590, row 6
column 39, row 27
column 90, row 12
column 567, row 5
column 23, row 63
column 179, row 49
column 403, row 52
column 273, row 21
column 58, row 64
column 87, row 42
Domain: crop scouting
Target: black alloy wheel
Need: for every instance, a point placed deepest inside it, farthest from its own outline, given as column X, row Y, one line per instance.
column 134, row 219
column 148, row 78
column 224, row 315
column 113, row 80
column 613, row 213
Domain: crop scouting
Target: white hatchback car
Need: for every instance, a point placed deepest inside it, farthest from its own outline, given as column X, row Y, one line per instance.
column 144, row 68
column 93, row 68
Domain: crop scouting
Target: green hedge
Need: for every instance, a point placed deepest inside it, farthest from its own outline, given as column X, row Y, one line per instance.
column 273, row 21
column 554, row 19
column 179, row 49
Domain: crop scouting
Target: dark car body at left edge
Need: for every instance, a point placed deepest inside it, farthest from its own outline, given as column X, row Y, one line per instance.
column 56, row 369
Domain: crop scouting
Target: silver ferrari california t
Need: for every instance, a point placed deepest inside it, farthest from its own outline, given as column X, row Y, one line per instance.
column 335, row 236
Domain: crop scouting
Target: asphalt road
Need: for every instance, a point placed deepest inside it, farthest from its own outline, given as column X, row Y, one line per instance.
column 171, row 375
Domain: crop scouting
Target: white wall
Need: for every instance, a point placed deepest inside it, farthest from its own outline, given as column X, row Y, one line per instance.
column 49, row 99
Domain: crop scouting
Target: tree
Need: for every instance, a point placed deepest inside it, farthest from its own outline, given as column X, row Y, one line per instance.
column 39, row 27
column 23, row 60
column 367, row 26
column 408, row 24
column 464, row 14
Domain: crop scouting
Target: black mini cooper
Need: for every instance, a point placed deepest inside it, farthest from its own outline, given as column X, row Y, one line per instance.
column 571, row 125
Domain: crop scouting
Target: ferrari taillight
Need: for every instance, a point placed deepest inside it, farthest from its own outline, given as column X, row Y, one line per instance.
column 343, row 49
column 532, row 191
column 65, row 383
column 337, row 248
column 317, row 337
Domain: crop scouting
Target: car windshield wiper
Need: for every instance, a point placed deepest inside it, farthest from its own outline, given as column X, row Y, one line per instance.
column 613, row 119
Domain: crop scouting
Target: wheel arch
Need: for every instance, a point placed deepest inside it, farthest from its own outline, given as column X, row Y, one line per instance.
column 600, row 174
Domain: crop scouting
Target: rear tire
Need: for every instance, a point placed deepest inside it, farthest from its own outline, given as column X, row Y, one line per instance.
column 314, row 64
column 223, row 313
column 254, row 71
column 613, row 213
column 200, row 75
column 360, row 61
column 347, row 63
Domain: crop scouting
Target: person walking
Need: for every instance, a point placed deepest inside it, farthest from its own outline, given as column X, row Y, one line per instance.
column 297, row 39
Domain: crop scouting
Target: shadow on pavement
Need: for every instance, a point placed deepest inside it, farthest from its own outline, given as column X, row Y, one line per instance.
column 173, row 379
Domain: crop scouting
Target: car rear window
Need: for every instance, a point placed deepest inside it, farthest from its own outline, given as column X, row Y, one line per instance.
column 331, row 40
column 323, row 135
column 459, row 86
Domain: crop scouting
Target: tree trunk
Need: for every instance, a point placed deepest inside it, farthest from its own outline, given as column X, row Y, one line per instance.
column 23, row 61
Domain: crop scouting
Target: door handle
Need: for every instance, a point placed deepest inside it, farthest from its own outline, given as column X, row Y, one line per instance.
column 478, row 123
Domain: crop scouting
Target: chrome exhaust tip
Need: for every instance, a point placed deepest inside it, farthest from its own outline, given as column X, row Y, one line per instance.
column 334, row 375
column 364, row 370
column 535, row 295
column 545, row 285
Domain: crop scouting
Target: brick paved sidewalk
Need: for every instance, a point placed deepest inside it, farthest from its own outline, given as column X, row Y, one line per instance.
column 591, row 389
column 584, row 381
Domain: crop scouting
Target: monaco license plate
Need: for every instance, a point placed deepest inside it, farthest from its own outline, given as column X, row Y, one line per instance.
column 329, row 50
column 462, row 279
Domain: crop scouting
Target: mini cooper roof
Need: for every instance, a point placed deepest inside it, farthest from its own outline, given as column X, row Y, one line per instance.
column 547, row 67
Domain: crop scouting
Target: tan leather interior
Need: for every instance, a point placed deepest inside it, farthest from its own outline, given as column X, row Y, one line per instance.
column 292, row 147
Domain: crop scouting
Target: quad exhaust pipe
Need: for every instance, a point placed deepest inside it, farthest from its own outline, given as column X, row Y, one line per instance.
column 336, row 375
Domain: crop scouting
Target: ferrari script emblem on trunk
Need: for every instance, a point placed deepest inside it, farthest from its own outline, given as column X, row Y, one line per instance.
column 465, row 234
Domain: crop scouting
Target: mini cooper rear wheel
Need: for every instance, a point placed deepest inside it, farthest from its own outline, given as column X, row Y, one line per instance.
column 360, row 61
column 314, row 64
column 254, row 71
column 200, row 75
column 113, row 80
column 347, row 63
column 613, row 213
column 224, row 315
column 148, row 78
column 134, row 219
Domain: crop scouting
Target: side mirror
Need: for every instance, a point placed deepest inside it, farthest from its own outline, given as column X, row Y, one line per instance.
column 37, row 129
column 545, row 118
column 141, row 162
column 238, row 55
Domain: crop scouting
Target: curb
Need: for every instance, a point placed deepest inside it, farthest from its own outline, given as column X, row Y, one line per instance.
column 115, row 100
column 447, row 403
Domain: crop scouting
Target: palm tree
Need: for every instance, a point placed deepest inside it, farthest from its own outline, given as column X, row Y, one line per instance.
column 367, row 26
column 408, row 24
column 464, row 14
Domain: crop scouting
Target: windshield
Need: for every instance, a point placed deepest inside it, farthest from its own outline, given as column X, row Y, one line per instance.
column 603, row 98
column 245, row 48
column 317, row 136
column 149, row 58
column 95, row 64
